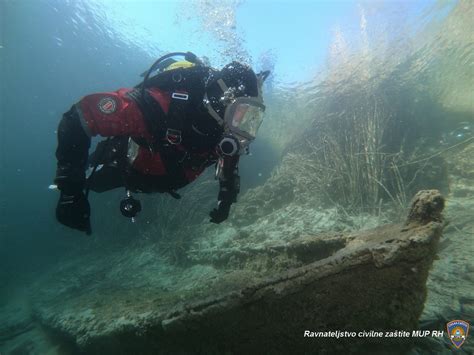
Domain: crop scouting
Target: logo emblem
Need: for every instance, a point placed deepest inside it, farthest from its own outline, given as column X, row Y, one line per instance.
column 173, row 136
column 457, row 332
column 107, row 105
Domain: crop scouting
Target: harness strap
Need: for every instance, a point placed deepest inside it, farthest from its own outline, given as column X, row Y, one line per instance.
column 154, row 118
column 187, row 88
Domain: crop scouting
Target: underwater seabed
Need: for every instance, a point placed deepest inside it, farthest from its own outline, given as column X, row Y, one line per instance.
column 256, row 287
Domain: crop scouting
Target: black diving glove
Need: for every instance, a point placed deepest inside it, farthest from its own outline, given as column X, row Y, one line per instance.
column 74, row 211
column 221, row 213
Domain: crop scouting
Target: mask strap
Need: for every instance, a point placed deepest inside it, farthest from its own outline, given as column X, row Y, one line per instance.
column 213, row 112
column 222, row 85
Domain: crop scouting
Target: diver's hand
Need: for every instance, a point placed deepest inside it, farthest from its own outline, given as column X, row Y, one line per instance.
column 221, row 213
column 74, row 211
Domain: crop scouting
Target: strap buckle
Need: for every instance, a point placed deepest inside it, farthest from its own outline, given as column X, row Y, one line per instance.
column 173, row 136
column 180, row 96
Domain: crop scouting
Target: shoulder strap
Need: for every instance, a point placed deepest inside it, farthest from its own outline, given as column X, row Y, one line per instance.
column 186, row 87
column 155, row 119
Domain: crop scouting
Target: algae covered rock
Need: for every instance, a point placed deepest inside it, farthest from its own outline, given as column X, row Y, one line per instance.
column 253, row 299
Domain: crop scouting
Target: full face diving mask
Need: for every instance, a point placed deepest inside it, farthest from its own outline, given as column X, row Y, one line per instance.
column 242, row 118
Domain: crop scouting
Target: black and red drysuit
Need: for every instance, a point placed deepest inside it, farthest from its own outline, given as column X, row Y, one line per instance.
column 161, row 140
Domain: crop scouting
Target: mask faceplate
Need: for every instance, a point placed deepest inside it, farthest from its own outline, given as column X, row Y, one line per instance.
column 244, row 116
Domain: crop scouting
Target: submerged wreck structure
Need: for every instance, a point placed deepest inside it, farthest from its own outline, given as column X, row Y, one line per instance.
column 255, row 299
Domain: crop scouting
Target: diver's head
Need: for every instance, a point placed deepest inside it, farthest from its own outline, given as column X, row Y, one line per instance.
column 234, row 100
column 234, row 80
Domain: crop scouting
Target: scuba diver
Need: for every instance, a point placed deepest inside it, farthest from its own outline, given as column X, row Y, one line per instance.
column 161, row 135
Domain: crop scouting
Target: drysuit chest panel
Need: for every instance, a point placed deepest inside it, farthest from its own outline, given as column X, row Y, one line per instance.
column 117, row 114
column 147, row 162
column 144, row 160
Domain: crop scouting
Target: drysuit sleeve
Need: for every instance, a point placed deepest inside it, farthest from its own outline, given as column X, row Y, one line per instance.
column 229, row 181
column 71, row 153
column 229, row 187
column 104, row 114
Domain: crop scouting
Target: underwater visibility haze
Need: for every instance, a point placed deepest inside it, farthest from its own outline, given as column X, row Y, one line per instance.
column 356, row 203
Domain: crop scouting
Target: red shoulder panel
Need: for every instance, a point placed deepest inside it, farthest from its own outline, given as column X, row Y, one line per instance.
column 112, row 114
column 162, row 97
